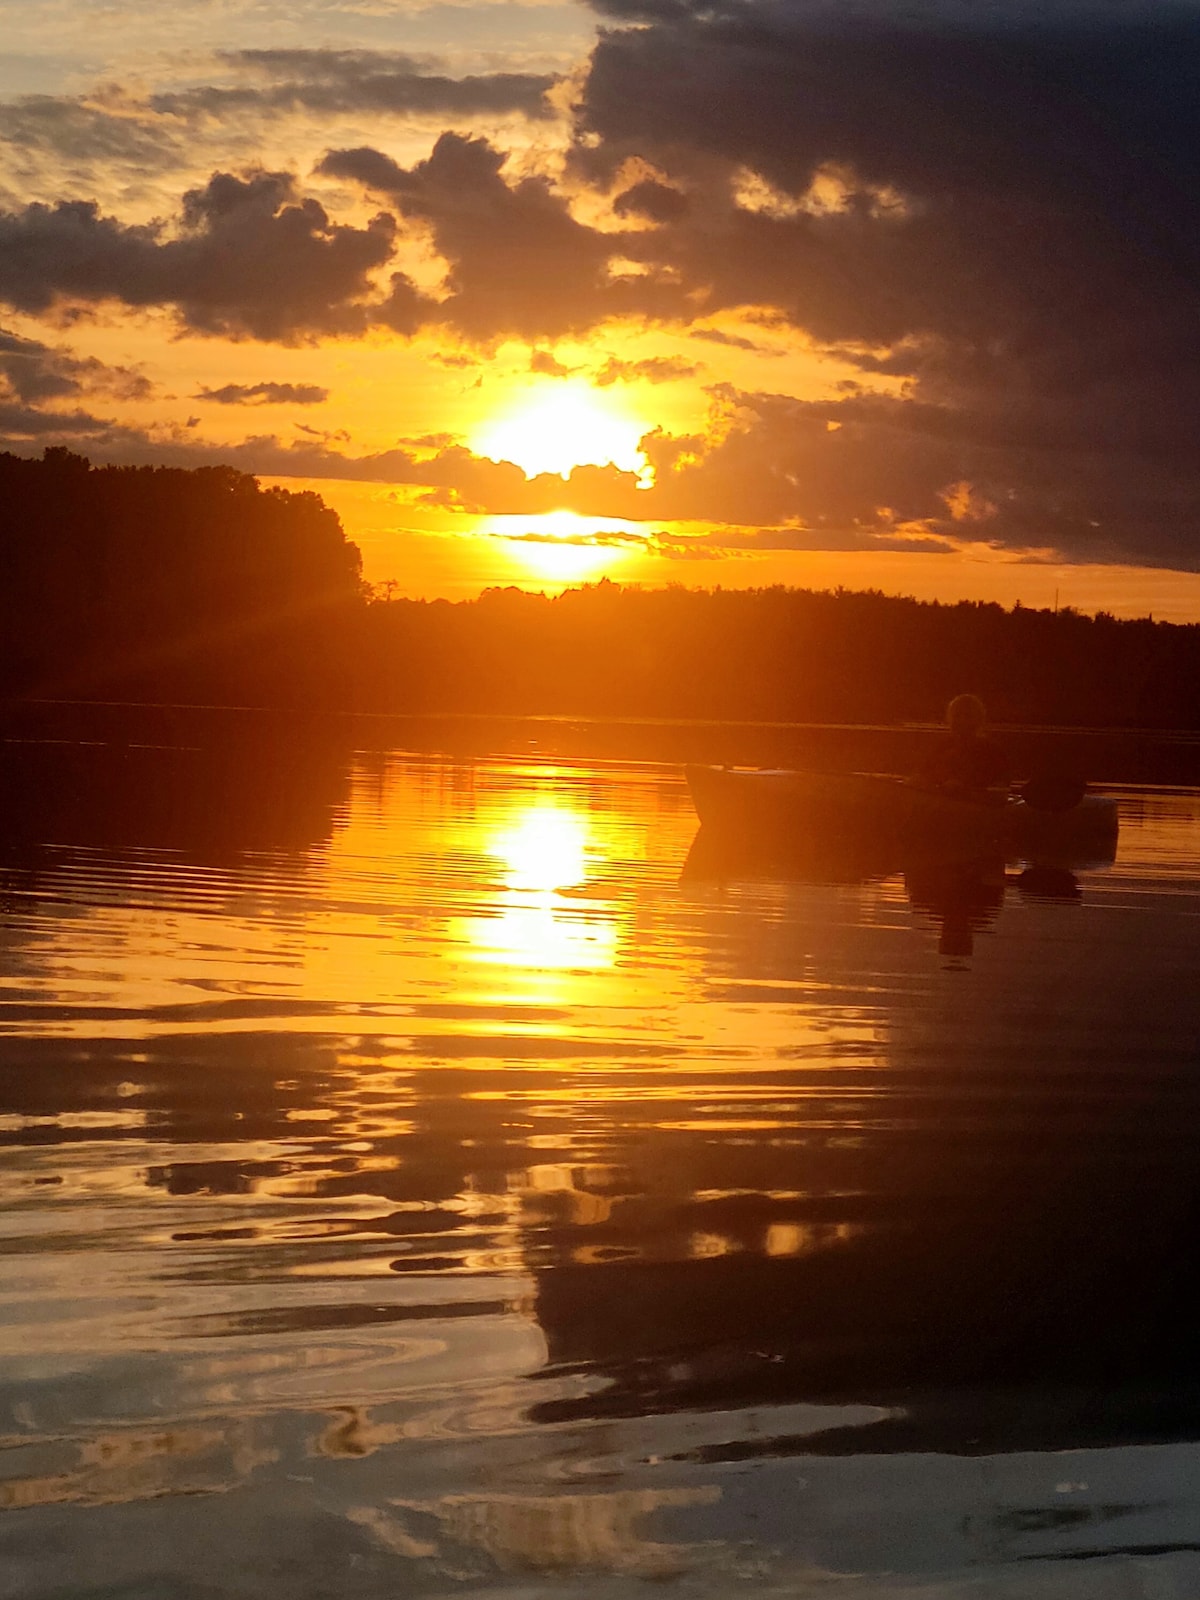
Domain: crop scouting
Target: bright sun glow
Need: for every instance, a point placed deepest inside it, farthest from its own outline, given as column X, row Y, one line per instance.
column 544, row 851
column 563, row 547
column 556, row 426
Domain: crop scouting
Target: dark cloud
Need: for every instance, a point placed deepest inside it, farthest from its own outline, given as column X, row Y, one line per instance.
column 371, row 168
column 251, row 258
column 602, row 537
column 1082, row 104
column 1003, row 130
column 657, row 202
column 331, row 65
column 114, row 132
column 769, row 460
column 337, row 82
column 549, row 366
column 48, row 252
column 33, row 372
column 653, row 369
column 734, row 341
column 21, row 423
column 95, row 139
column 519, row 262
column 721, row 542
column 272, row 394
column 993, row 203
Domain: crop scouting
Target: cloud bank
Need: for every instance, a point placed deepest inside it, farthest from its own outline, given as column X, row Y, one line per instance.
column 251, row 259
column 268, row 394
column 988, row 210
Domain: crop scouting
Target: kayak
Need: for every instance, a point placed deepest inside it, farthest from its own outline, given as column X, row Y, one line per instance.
column 776, row 803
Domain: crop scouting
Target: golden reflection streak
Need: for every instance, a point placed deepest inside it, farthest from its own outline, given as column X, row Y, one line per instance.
column 547, row 848
column 529, row 1533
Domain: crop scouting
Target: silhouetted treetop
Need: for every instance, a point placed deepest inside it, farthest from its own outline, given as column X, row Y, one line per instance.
column 116, row 573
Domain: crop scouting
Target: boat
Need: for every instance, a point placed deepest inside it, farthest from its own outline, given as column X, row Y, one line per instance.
column 770, row 804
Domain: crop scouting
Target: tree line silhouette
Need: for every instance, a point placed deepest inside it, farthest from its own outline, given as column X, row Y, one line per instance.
column 161, row 583
column 199, row 585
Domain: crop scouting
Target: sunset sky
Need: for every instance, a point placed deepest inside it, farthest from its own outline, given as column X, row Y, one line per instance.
column 704, row 291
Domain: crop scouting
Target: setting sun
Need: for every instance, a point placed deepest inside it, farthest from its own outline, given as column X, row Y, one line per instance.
column 563, row 547
column 554, row 427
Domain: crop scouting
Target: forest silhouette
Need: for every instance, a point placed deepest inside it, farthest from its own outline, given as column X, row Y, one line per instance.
column 160, row 583
column 199, row 586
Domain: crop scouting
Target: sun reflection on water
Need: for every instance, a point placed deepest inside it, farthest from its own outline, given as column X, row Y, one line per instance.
column 544, row 850
column 471, row 1146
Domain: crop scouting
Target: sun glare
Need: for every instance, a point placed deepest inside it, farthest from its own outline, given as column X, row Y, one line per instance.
column 545, row 849
column 556, row 426
column 542, row 852
column 564, row 547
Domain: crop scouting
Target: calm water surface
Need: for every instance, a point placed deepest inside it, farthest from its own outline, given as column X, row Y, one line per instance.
column 415, row 1182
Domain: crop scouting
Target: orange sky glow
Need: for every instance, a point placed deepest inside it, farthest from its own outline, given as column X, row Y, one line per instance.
column 520, row 325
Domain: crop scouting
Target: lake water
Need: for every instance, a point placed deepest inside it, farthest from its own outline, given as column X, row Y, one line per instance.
column 415, row 1182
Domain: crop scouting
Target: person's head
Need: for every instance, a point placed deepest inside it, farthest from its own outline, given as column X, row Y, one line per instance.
column 966, row 716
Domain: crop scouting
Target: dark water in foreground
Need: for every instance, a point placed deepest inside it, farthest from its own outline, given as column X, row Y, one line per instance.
column 410, row 1186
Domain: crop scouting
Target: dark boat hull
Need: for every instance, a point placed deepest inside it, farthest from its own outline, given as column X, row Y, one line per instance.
column 769, row 806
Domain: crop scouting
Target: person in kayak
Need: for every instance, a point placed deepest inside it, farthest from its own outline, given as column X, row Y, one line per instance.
column 966, row 762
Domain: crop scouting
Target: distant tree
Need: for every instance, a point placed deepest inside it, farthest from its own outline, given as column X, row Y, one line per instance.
column 772, row 654
column 156, row 580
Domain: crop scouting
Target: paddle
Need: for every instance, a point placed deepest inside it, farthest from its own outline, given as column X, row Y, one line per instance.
column 1052, row 791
